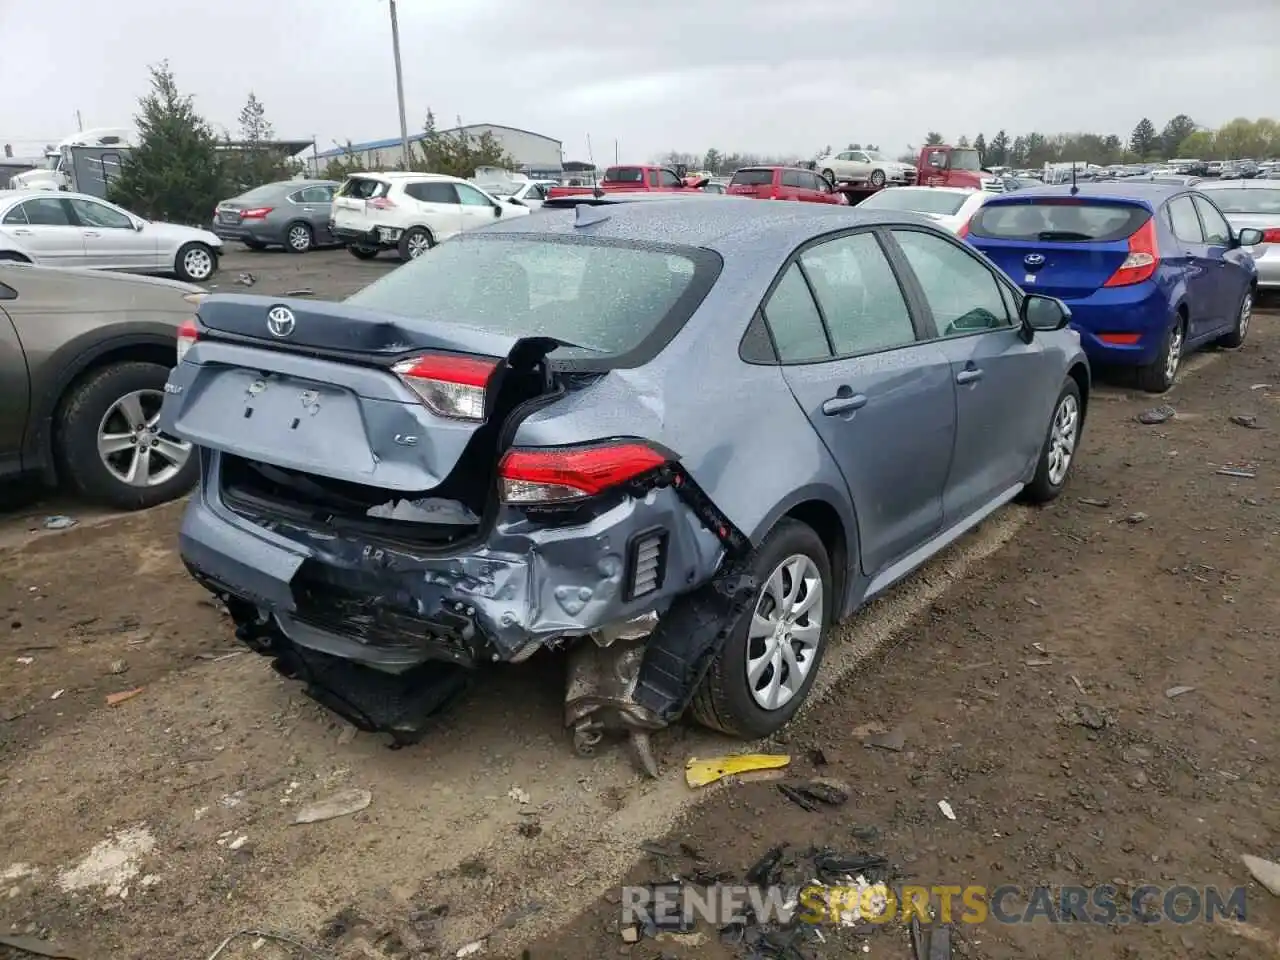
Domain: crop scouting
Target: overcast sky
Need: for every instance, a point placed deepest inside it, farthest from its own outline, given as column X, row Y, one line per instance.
column 752, row 75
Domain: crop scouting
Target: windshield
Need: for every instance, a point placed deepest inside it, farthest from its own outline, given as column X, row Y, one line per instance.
column 605, row 297
column 752, row 178
column 874, row 154
column 1241, row 200
column 962, row 159
column 500, row 189
column 943, row 203
column 1055, row 221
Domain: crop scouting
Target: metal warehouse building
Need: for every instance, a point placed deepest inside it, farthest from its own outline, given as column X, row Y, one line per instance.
column 534, row 154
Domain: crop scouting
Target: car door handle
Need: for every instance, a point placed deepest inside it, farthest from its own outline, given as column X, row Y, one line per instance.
column 838, row 405
column 92, row 233
column 22, row 233
column 971, row 375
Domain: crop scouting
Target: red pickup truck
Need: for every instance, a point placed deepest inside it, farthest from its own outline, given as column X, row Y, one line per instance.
column 947, row 166
column 636, row 179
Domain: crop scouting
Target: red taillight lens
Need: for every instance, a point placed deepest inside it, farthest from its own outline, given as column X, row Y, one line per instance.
column 554, row 474
column 256, row 213
column 1271, row 235
column 381, row 203
column 1143, row 258
column 188, row 334
column 451, row 386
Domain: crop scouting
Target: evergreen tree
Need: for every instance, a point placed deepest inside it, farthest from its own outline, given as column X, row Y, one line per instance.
column 1000, row 149
column 174, row 172
column 457, row 152
column 933, row 139
column 1144, row 140
column 255, row 160
column 1176, row 131
column 980, row 144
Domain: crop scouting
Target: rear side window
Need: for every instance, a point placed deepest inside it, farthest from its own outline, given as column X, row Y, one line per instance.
column 1057, row 221
column 1183, row 219
column 1216, row 229
column 796, row 178
column 859, row 295
column 752, row 178
column 607, row 297
column 794, row 320
column 624, row 175
column 432, row 192
column 364, row 188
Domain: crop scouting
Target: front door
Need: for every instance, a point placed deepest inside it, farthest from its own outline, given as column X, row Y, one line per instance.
column 477, row 209
column 436, row 207
column 46, row 228
column 997, row 376
column 1228, row 279
column 881, row 401
column 1192, row 256
column 111, row 240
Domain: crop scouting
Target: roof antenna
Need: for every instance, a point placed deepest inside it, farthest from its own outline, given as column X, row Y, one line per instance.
column 591, row 159
column 1074, row 188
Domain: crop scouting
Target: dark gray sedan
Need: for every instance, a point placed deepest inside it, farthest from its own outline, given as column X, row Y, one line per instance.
column 293, row 214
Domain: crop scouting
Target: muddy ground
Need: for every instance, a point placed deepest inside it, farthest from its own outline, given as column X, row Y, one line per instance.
column 1027, row 672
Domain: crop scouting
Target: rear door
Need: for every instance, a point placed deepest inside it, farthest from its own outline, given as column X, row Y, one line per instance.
column 351, row 206
column 47, row 229
column 1064, row 247
column 435, row 205
column 1192, row 258
column 998, row 377
column 1230, row 279
column 111, row 240
column 881, row 401
column 793, row 185
column 315, row 204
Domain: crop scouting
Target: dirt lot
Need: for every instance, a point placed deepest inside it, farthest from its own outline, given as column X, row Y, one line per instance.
column 1027, row 671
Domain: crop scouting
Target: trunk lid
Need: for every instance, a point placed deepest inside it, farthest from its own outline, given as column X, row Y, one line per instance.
column 314, row 388
column 1061, row 247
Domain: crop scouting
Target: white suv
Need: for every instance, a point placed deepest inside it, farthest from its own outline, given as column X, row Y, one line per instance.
column 410, row 212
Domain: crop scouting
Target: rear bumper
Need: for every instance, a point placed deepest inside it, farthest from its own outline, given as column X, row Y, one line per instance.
column 1141, row 311
column 1268, row 264
column 257, row 232
column 374, row 238
column 390, row 609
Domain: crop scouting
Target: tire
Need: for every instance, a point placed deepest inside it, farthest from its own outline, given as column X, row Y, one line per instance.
column 829, row 176
column 414, row 242
column 254, row 244
column 362, row 253
column 725, row 700
column 1243, row 315
column 93, row 409
column 195, row 263
column 1062, row 437
column 299, row 238
column 1160, row 375
column 877, row 178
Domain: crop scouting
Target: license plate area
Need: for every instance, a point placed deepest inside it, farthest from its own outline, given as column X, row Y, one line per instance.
column 389, row 234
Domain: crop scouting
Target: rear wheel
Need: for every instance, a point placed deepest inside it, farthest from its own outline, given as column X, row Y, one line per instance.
column 765, row 669
column 108, row 443
column 298, row 238
column 1159, row 375
column 1241, row 330
column 414, row 243
column 362, row 253
column 877, row 178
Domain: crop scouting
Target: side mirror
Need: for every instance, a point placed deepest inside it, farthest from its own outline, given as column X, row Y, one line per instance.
column 139, row 224
column 497, row 209
column 1249, row 237
column 1039, row 312
column 682, row 170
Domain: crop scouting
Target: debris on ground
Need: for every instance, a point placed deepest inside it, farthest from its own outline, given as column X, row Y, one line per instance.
column 1136, row 518
column 56, row 694
column 246, row 279
column 518, row 795
column 341, row 804
column 893, row 740
column 816, row 793
column 1038, row 662
column 261, row 935
column 1094, row 501
column 118, row 667
column 1160, row 414
column 114, row 699
column 1266, row 872
column 946, row 810
column 1084, row 715
column 59, row 522
column 1177, row 691
column 302, row 292
column 112, row 864
column 1234, row 472
column 470, row 949
column 39, row 948
column 1245, row 420
column 699, row 773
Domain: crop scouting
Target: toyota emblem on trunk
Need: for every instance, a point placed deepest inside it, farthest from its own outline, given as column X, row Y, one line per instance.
column 1033, row 259
column 281, row 321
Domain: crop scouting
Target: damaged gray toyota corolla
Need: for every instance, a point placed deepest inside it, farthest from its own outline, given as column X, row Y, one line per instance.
column 680, row 443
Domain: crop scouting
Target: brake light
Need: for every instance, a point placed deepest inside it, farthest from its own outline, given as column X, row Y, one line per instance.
column 1271, row 235
column 255, row 213
column 188, row 334
column 451, row 386
column 539, row 475
column 381, row 203
column 1143, row 258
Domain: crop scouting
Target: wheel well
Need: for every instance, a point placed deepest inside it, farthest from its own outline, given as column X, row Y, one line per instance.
column 14, row 257
column 822, row 518
column 1080, row 375
column 1183, row 312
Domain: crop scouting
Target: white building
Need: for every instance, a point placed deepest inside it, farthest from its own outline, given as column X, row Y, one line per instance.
column 534, row 154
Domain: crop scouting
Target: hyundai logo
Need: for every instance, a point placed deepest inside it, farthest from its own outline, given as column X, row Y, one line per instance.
column 1033, row 260
column 281, row 321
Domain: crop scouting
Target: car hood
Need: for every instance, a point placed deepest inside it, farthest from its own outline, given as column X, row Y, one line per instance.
column 177, row 233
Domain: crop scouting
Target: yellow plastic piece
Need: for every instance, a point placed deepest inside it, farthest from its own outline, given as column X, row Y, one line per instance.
column 699, row 773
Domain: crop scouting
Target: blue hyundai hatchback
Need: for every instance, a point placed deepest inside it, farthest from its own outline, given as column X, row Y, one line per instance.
column 1150, row 271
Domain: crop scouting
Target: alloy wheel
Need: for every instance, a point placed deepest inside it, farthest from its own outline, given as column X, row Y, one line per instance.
column 419, row 244
column 1174, row 359
column 131, row 446
column 299, row 237
column 1246, row 314
column 785, row 631
column 1062, row 438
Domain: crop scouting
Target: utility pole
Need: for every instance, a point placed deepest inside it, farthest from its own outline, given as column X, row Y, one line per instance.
column 79, row 122
column 395, row 46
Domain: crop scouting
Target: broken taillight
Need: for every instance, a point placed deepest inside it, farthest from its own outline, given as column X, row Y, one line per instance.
column 1143, row 258
column 536, row 475
column 451, row 386
column 381, row 203
column 188, row 334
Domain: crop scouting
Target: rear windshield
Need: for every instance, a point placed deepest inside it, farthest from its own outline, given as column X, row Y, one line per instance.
column 752, row 178
column 1053, row 220
column 624, row 175
column 940, row 202
column 363, row 188
column 268, row 192
column 1242, row 200
column 608, row 298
